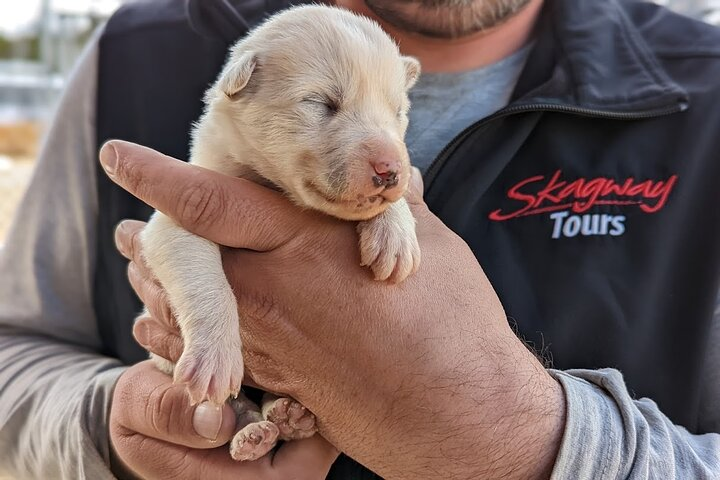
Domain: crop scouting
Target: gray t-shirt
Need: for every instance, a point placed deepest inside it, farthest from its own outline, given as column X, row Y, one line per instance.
column 444, row 104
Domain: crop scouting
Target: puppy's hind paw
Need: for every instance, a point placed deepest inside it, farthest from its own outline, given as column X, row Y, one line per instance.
column 253, row 441
column 294, row 421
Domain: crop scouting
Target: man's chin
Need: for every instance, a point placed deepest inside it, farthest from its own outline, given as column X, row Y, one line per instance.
column 432, row 19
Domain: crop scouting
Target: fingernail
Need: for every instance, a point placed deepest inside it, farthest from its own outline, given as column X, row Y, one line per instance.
column 207, row 420
column 417, row 180
column 133, row 273
column 119, row 243
column 109, row 158
column 141, row 332
column 123, row 226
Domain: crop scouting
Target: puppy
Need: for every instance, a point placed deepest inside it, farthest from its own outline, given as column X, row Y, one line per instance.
column 312, row 102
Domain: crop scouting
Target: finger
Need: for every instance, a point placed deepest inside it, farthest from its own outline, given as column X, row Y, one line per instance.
column 148, row 403
column 313, row 455
column 227, row 210
column 148, row 457
column 308, row 459
column 127, row 239
column 157, row 338
column 152, row 295
column 416, row 188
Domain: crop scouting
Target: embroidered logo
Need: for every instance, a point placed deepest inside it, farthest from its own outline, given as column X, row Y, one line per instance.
column 569, row 202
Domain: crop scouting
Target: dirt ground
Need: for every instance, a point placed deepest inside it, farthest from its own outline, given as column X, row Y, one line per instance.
column 18, row 149
column 14, row 176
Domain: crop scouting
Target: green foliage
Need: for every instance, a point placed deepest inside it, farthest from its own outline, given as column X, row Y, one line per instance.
column 27, row 48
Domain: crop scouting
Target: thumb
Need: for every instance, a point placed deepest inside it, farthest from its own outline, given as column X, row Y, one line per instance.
column 414, row 195
column 147, row 402
column 224, row 209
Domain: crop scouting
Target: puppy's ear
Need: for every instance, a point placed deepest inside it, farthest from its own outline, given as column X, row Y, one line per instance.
column 236, row 74
column 412, row 71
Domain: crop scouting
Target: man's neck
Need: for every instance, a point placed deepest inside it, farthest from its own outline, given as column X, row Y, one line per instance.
column 467, row 53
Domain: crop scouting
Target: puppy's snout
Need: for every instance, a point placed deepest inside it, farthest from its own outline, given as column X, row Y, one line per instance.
column 379, row 170
column 386, row 172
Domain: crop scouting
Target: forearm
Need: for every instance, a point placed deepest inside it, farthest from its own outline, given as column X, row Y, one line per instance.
column 495, row 414
column 54, row 401
column 503, row 418
column 610, row 435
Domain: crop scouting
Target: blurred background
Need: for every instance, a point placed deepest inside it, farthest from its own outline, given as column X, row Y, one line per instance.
column 39, row 43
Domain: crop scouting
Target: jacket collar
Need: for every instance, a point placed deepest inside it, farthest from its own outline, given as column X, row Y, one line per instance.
column 228, row 20
column 589, row 55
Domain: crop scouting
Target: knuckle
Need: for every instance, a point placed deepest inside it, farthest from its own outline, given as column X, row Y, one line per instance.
column 132, row 275
column 117, row 412
column 165, row 344
column 135, row 245
column 127, row 445
column 131, row 173
column 175, row 348
column 165, row 409
column 200, row 204
column 124, row 396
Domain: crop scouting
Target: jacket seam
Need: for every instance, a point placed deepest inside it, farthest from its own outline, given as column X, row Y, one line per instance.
column 645, row 57
column 142, row 28
column 681, row 54
column 120, row 35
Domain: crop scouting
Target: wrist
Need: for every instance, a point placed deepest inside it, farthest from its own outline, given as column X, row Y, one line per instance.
column 531, row 424
column 500, row 417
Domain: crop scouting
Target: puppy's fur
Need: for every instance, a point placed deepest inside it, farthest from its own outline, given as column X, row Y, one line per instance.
column 312, row 102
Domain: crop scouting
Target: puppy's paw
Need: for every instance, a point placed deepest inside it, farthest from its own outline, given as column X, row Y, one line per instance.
column 253, row 441
column 211, row 371
column 294, row 421
column 389, row 245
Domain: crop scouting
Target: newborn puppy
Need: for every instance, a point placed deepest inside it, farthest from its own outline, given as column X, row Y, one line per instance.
column 314, row 103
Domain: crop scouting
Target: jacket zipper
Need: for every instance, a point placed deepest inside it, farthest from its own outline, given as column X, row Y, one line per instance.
column 442, row 157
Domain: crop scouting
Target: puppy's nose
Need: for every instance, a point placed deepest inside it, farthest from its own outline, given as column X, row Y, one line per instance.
column 386, row 172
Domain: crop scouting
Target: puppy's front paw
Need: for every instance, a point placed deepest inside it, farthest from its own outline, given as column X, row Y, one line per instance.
column 389, row 245
column 211, row 371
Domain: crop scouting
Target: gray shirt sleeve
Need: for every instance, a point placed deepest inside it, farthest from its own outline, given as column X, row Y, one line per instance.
column 608, row 435
column 55, row 389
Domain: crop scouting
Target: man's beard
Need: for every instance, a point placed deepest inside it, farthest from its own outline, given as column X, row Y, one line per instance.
column 445, row 18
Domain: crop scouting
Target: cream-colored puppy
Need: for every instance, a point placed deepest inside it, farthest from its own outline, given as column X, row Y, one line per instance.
column 312, row 102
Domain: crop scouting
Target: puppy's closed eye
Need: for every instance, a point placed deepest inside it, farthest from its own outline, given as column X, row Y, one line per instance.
column 322, row 103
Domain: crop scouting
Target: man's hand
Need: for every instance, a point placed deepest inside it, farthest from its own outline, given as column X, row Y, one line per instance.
column 410, row 380
column 155, row 433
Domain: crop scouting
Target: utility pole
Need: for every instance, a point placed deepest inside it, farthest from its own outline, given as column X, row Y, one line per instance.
column 46, row 54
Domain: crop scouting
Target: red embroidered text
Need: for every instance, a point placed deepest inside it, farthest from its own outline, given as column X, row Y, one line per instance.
column 538, row 195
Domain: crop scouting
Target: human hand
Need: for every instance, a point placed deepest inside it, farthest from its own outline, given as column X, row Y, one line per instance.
column 155, row 433
column 409, row 379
